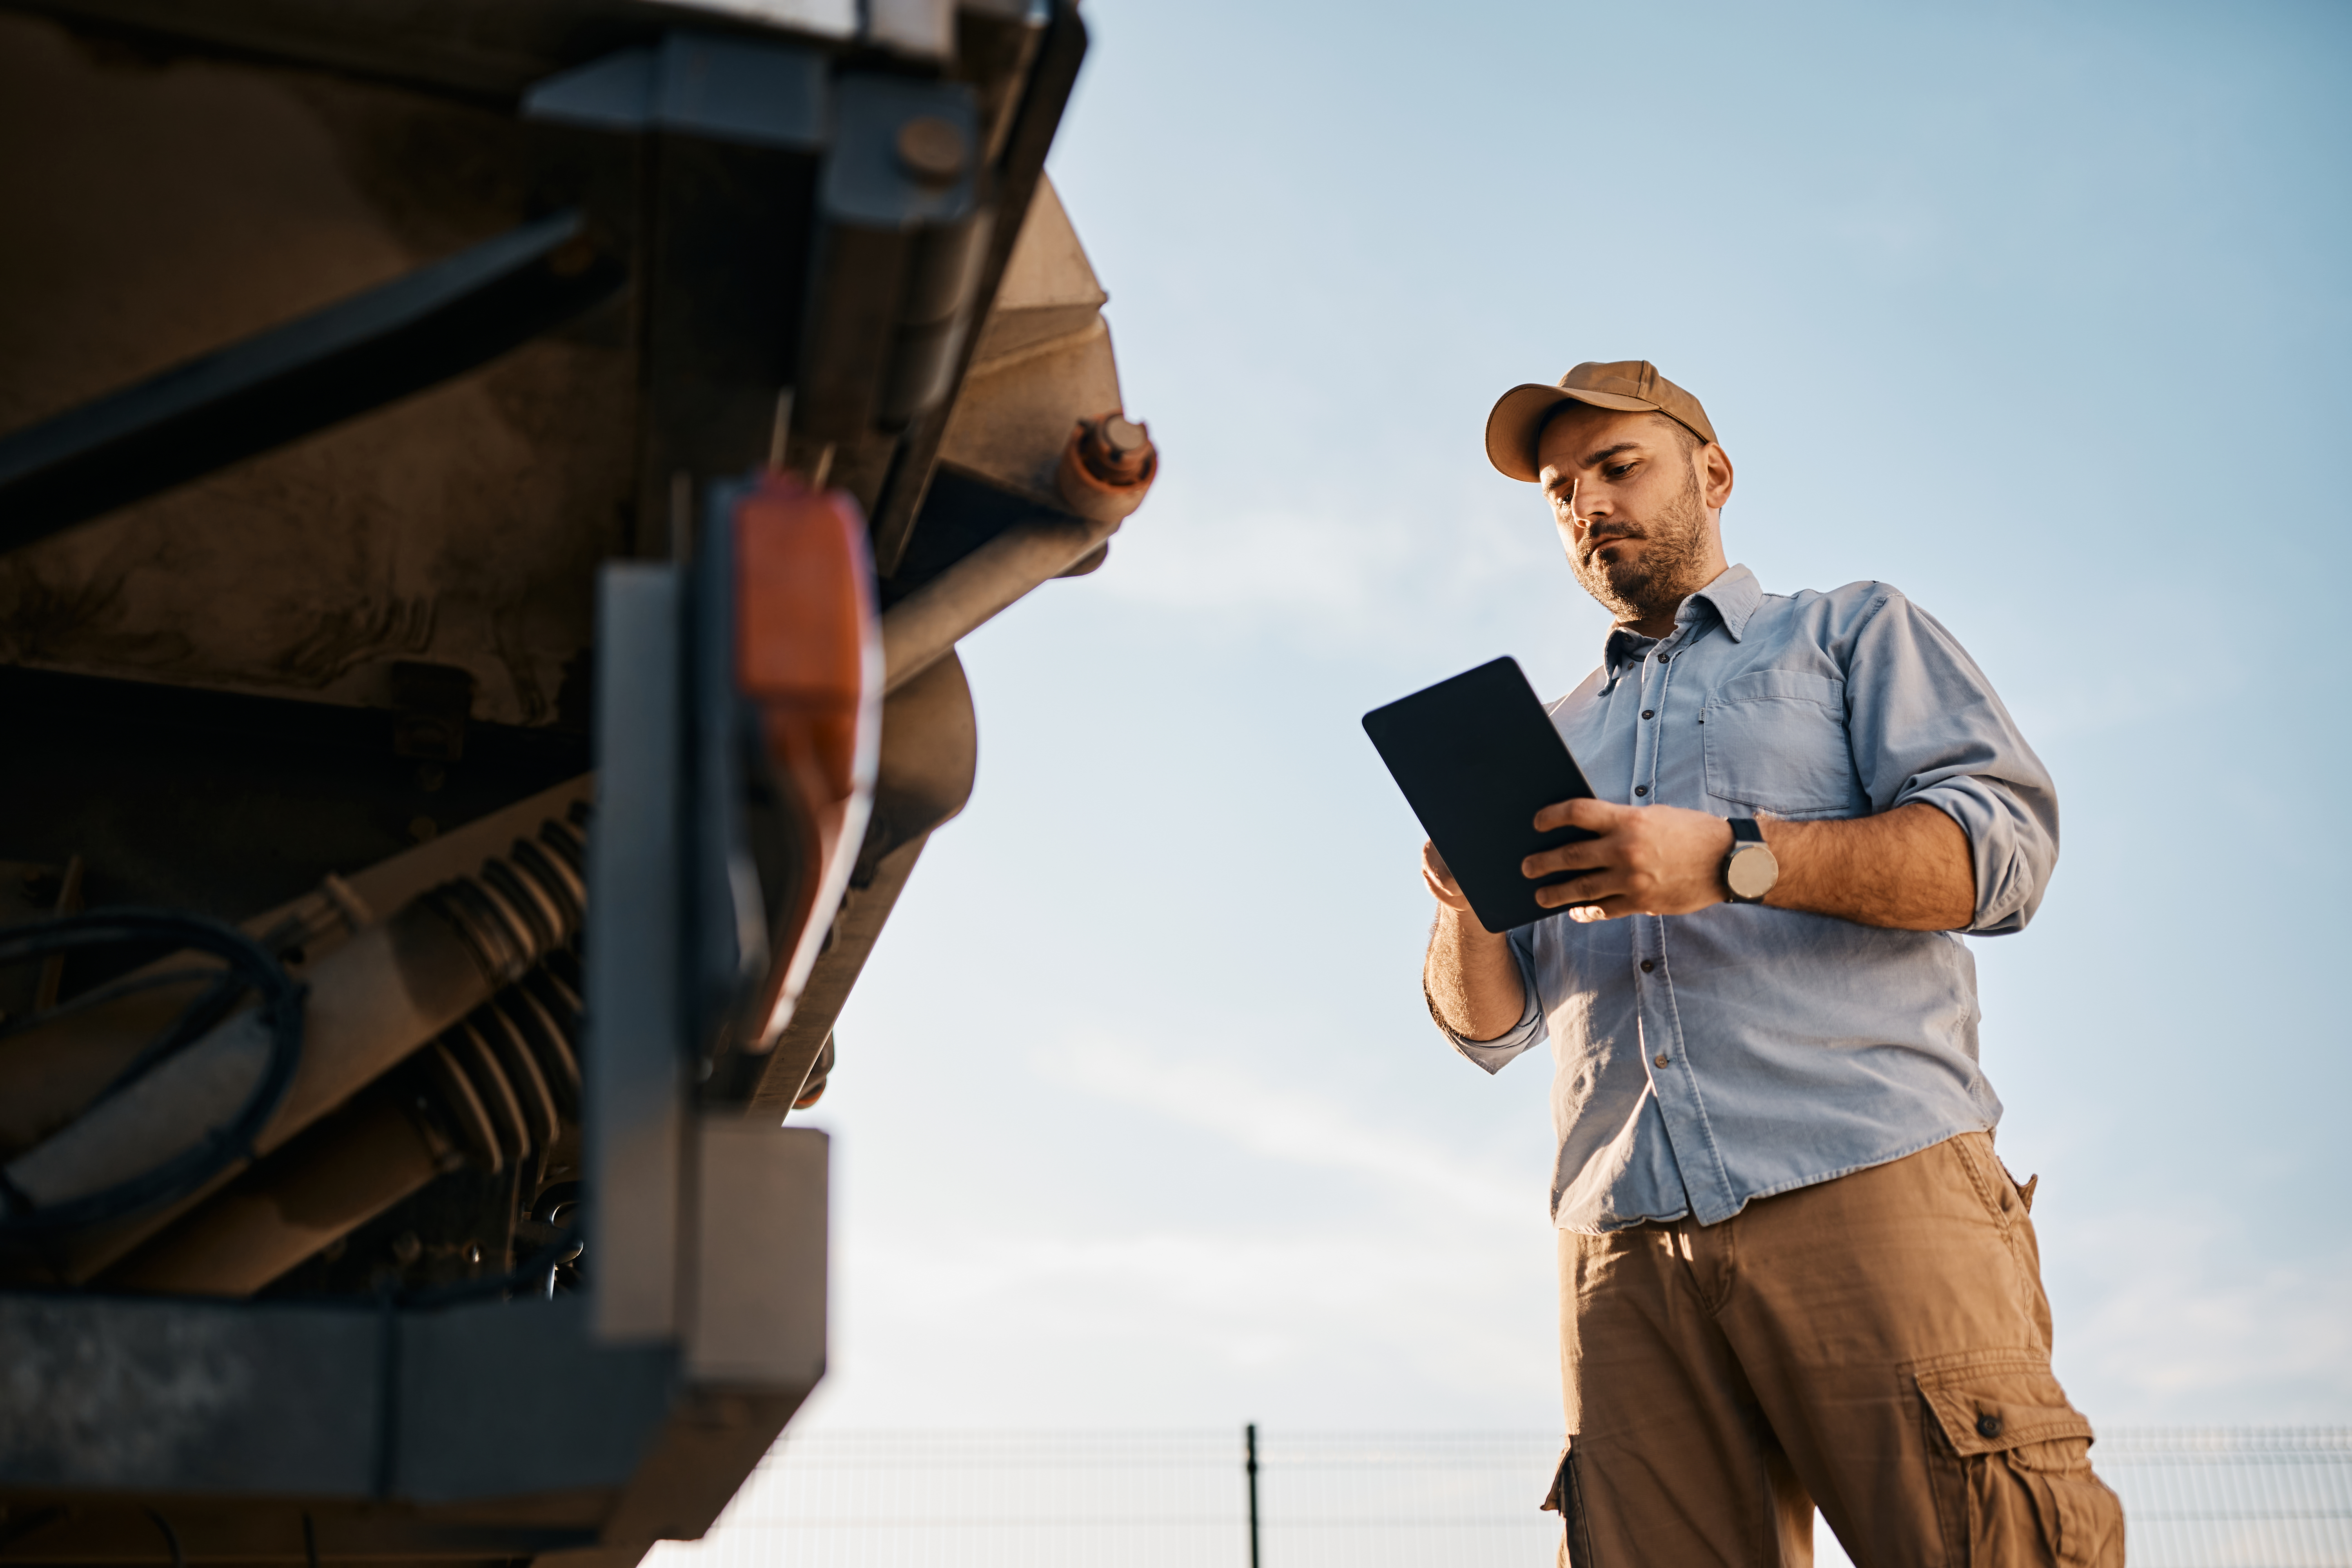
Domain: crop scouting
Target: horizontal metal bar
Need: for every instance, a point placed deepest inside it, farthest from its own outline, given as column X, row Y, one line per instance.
column 920, row 628
column 292, row 380
column 504, row 1405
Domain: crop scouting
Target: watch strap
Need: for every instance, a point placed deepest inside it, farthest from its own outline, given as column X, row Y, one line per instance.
column 1747, row 830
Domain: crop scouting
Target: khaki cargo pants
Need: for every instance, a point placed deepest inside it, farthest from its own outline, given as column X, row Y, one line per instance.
column 1878, row 1344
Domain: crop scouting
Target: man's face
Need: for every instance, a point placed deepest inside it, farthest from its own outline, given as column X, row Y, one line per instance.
column 1631, row 513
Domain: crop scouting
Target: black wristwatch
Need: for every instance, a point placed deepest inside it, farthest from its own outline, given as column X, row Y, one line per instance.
column 1749, row 870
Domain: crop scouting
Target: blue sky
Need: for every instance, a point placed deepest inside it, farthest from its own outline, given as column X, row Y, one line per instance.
column 2036, row 311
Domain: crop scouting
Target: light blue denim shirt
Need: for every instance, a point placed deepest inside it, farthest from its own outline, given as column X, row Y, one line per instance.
column 1701, row 1060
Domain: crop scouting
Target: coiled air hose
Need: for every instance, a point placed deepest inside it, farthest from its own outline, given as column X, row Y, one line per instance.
column 390, row 989
column 249, row 967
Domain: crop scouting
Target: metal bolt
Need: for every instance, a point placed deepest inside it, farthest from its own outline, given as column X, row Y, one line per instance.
column 1115, row 450
column 932, row 149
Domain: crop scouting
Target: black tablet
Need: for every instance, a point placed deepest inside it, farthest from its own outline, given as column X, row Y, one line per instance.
column 1478, row 757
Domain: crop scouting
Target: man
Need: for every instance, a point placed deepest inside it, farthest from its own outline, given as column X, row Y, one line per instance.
column 1792, row 1271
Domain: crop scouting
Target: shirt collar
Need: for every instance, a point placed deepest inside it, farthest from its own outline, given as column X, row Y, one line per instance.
column 1733, row 596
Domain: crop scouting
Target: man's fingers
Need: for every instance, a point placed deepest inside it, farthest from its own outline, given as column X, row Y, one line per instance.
column 1593, row 888
column 1592, row 815
column 1439, row 879
column 1584, row 854
column 1583, row 906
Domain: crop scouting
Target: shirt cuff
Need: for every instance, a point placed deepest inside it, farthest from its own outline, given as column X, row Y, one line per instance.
column 1527, row 1033
column 2010, row 854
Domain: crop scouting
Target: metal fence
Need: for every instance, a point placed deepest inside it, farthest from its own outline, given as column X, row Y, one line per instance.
column 2195, row 1498
column 2214, row 1496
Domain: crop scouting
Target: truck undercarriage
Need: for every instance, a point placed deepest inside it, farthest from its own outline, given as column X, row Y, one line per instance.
column 489, row 497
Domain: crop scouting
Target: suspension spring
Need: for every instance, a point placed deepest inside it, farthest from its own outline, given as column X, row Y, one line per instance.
column 505, row 1079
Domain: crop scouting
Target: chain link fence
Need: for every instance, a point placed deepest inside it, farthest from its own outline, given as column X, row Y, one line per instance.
column 2195, row 1498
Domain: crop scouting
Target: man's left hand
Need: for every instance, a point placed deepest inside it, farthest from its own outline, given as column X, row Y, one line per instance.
column 1647, row 860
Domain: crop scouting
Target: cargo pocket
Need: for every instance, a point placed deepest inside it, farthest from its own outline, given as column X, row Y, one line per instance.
column 1567, row 1499
column 2011, row 1465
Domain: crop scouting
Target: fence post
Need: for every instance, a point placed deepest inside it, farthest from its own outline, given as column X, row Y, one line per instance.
column 1249, row 1464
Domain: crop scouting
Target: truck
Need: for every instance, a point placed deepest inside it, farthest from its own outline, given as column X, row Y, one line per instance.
column 489, row 494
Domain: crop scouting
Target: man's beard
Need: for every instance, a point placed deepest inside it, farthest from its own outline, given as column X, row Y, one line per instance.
column 1658, row 579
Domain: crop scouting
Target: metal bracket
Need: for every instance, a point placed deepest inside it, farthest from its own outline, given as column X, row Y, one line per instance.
column 1016, row 171
column 906, row 232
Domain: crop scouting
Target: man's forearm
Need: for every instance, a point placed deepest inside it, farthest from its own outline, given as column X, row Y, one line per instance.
column 1473, row 981
column 1907, row 870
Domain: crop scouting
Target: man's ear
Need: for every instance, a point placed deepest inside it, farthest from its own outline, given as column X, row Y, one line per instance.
column 1713, row 476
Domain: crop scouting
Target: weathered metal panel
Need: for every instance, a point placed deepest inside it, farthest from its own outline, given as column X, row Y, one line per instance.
column 507, row 1399
column 177, row 1395
column 182, row 204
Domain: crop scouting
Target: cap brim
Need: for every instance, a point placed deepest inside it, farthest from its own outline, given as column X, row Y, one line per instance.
column 1511, row 427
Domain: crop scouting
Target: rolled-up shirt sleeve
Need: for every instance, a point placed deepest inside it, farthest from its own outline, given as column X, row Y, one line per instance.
column 1524, row 1035
column 1926, row 725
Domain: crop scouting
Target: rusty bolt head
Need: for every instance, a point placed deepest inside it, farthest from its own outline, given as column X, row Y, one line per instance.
column 1115, row 450
column 932, row 149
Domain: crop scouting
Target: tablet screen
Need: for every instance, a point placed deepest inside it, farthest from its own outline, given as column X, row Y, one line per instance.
column 1478, row 757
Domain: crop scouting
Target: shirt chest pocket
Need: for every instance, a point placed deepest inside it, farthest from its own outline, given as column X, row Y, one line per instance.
column 1776, row 742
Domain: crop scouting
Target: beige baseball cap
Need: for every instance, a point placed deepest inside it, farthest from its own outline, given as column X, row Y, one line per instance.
column 1630, row 385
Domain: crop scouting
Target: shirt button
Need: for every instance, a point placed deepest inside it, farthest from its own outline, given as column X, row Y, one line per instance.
column 1988, row 1424
column 1664, row 656
column 1658, row 1060
column 1647, row 966
column 1640, row 789
column 1649, row 713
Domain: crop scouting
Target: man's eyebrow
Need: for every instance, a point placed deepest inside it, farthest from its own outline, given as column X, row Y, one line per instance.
column 1594, row 459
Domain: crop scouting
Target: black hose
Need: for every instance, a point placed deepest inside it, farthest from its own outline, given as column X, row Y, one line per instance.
column 251, row 967
column 100, row 996
column 171, row 1538
column 536, row 1273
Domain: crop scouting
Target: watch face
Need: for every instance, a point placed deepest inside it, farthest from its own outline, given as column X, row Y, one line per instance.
column 1751, row 872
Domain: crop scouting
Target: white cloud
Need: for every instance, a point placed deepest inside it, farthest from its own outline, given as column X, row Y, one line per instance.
column 1357, row 572
column 2170, row 1317
column 1248, row 1108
